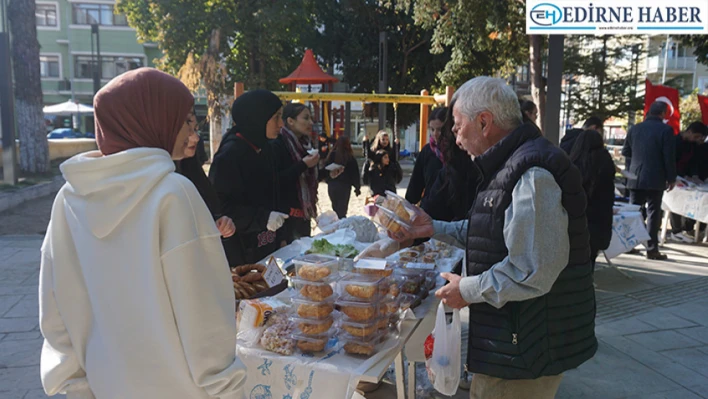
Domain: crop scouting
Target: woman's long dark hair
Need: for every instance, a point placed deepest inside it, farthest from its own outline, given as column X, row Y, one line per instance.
column 585, row 155
column 342, row 152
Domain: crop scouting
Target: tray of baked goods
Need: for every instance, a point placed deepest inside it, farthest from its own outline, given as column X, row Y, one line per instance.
column 257, row 281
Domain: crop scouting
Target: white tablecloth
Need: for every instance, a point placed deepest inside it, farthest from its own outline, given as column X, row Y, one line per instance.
column 689, row 202
column 628, row 231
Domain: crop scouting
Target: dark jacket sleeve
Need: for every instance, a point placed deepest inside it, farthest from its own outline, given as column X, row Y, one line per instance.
column 627, row 149
column 365, row 149
column 226, row 176
column 192, row 170
column 352, row 170
column 416, row 185
column 288, row 170
column 669, row 154
column 601, row 203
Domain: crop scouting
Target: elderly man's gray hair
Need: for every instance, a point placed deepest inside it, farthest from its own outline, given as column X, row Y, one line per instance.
column 492, row 95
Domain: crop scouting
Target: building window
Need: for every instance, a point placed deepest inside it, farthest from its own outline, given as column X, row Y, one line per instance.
column 111, row 66
column 101, row 14
column 522, row 74
column 49, row 66
column 46, row 15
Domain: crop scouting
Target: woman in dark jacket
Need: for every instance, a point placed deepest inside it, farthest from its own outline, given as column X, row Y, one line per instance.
column 455, row 186
column 383, row 175
column 297, row 172
column 340, row 182
column 244, row 177
column 429, row 161
column 191, row 168
column 598, row 171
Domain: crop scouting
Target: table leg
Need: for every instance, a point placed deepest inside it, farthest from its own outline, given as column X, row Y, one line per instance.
column 411, row 380
column 400, row 384
column 664, row 226
column 697, row 232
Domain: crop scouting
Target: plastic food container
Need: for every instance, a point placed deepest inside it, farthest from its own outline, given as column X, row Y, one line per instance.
column 359, row 329
column 430, row 257
column 314, row 290
column 411, row 280
column 308, row 309
column 314, row 267
column 359, row 311
column 408, row 253
column 313, row 327
column 399, row 206
column 360, row 268
column 409, row 301
column 391, row 305
column 360, row 346
column 311, row 343
column 358, row 287
column 390, row 221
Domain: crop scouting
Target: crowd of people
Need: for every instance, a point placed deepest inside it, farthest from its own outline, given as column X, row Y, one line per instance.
column 136, row 299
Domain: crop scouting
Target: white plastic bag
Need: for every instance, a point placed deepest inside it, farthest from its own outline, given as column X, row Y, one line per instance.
column 445, row 363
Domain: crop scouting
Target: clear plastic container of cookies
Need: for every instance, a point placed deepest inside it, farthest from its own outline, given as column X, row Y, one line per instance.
column 390, row 305
column 358, row 328
column 389, row 221
column 315, row 290
column 314, row 267
column 313, row 326
column 316, row 310
column 407, row 255
column 411, row 281
column 409, row 301
column 359, row 311
column 364, row 266
column 362, row 346
column 399, row 206
column 311, row 343
column 362, row 287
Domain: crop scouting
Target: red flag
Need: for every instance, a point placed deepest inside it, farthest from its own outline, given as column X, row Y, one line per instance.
column 703, row 102
column 666, row 94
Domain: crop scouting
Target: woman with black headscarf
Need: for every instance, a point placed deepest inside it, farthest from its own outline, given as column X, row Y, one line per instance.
column 245, row 179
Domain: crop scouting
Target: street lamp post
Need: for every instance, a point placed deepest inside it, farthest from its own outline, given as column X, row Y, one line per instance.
column 7, row 102
column 97, row 72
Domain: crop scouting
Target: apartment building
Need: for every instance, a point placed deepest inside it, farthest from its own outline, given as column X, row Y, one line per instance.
column 678, row 64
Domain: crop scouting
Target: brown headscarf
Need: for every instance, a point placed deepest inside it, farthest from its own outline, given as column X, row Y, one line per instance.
column 140, row 108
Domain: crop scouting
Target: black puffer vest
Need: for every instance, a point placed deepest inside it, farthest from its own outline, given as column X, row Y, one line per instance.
column 552, row 333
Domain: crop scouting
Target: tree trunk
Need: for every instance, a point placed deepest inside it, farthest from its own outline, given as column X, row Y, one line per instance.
column 601, row 88
column 34, row 148
column 538, row 89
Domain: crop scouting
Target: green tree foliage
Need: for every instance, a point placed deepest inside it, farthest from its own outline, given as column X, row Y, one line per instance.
column 602, row 67
column 690, row 109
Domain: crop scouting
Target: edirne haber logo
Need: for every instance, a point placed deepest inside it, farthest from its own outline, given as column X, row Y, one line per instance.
column 624, row 17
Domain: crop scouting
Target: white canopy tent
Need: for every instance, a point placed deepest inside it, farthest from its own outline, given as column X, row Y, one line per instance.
column 67, row 109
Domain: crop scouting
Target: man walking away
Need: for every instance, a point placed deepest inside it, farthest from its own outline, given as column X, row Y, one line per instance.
column 650, row 151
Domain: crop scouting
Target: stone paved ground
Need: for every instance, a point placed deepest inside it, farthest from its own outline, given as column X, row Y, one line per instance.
column 652, row 328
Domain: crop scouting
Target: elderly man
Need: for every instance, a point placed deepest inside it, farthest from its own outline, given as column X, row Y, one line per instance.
column 530, row 286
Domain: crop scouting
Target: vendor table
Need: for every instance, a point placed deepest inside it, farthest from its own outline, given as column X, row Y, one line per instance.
column 688, row 200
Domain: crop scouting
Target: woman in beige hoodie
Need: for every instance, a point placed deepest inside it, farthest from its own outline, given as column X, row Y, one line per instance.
column 135, row 294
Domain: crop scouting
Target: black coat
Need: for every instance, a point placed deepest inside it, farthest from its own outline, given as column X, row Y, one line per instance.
column 289, row 173
column 244, row 177
column 425, row 172
column 569, row 139
column 382, row 179
column 349, row 178
column 452, row 194
column 650, row 150
column 192, row 170
column 687, row 158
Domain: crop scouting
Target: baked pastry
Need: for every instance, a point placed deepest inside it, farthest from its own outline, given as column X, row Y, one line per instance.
column 362, row 331
column 358, row 349
column 315, row 345
column 315, row 328
column 276, row 338
column 361, row 291
column 359, row 313
column 382, row 324
column 318, row 292
column 315, row 310
column 394, row 290
column 313, row 273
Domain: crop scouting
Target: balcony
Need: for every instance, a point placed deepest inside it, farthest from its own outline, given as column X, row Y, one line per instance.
column 655, row 64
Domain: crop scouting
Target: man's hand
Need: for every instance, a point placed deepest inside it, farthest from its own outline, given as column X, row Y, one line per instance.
column 450, row 293
column 226, row 226
column 670, row 186
column 421, row 227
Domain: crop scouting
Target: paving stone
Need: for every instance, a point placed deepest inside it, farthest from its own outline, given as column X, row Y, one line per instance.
column 674, row 394
column 23, row 336
column 692, row 358
column 19, row 290
column 20, row 378
column 7, row 302
column 25, row 256
column 696, row 312
column 39, row 394
column 665, row 320
column 27, row 307
column 697, row 333
column 631, row 325
column 13, row 394
column 663, row 340
column 20, row 353
column 658, row 362
column 23, row 324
